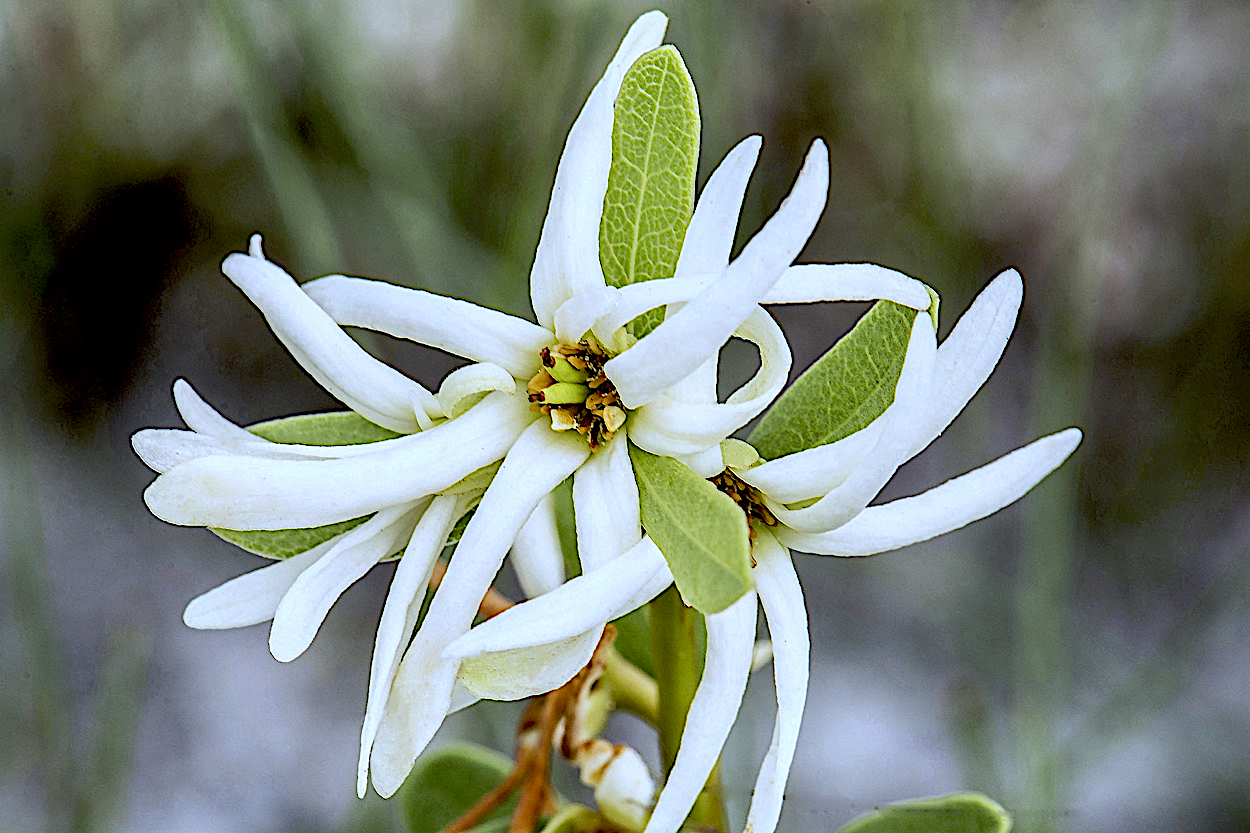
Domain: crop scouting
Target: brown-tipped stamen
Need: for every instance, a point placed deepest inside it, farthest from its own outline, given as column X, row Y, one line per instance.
column 575, row 393
column 748, row 498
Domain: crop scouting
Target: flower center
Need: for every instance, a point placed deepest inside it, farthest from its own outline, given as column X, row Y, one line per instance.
column 747, row 497
column 575, row 392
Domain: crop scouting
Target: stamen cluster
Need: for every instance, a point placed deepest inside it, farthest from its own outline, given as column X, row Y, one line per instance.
column 746, row 496
column 575, row 392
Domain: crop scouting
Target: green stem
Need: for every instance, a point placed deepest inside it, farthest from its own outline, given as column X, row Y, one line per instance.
column 678, row 655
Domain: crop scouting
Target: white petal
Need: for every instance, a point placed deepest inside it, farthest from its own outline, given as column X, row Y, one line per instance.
column 954, row 504
column 376, row 391
column 537, row 555
column 969, row 354
column 458, row 327
column 911, row 398
column 421, row 693
column 605, row 505
column 255, row 493
column 707, row 463
column 813, row 471
column 710, row 236
column 730, row 641
column 202, row 417
column 812, row 282
column 314, row 592
column 161, row 449
column 782, row 598
column 578, row 605
column 464, row 386
column 669, row 426
column 399, row 617
column 578, row 314
column 567, row 260
column 461, row 698
column 676, row 348
column 252, row 597
column 526, row 672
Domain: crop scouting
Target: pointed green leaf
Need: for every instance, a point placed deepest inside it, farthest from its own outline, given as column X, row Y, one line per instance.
column 701, row 531
column 958, row 813
column 844, row 390
column 448, row 781
column 650, row 195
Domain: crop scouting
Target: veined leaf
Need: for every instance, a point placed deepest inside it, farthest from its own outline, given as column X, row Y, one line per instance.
column 650, row 195
column 844, row 390
column 448, row 781
column 334, row 428
column 700, row 530
column 958, row 813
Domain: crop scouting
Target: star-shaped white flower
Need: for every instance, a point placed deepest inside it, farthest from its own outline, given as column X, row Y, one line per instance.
column 595, row 387
column 834, row 484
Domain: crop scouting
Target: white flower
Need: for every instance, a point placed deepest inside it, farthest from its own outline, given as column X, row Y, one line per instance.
column 841, row 477
column 220, row 475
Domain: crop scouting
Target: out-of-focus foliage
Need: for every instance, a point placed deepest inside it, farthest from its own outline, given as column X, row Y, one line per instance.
column 1082, row 658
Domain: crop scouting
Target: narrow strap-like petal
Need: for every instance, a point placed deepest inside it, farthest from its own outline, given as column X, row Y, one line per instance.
column 314, row 592
column 814, row 471
column 576, row 316
column 465, row 386
column 668, row 426
column 374, row 390
column 954, row 504
column 526, row 672
column 202, row 418
column 911, row 398
column 567, row 260
column 458, row 327
column 812, row 282
column 730, row 642
column 710, row 236
column 253, row 597
column 574, row 607
column 399, row 617
column 421, row 692
column 605, row 505
column 537, row 556
column 707, row 463
column 237, row 492
column 782, row 599
column 676, row 348
column 970, row 353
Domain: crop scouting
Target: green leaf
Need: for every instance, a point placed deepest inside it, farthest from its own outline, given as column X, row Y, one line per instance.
column 448, row 781
column 844, row 390
column 958, row 813
column 700, row 530
column 574, row 818
column 650, row 195
column 334, row 428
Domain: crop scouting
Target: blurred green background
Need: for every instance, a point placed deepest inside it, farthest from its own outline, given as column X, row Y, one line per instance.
column 1084, row 656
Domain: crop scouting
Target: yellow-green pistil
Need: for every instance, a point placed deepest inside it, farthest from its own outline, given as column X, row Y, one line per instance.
column 575, row 392
column 747, row 497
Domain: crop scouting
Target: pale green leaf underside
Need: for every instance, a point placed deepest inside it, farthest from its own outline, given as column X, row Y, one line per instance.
column 957, row 813
column 650, row 194
column 701, row 531
column 335, row 428
column 844, row 390
column 448, row 781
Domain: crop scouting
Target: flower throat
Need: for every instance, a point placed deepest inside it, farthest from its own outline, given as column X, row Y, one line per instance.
column 575, row 392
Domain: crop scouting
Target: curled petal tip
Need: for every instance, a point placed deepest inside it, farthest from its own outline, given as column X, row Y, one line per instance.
column 254, row 247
